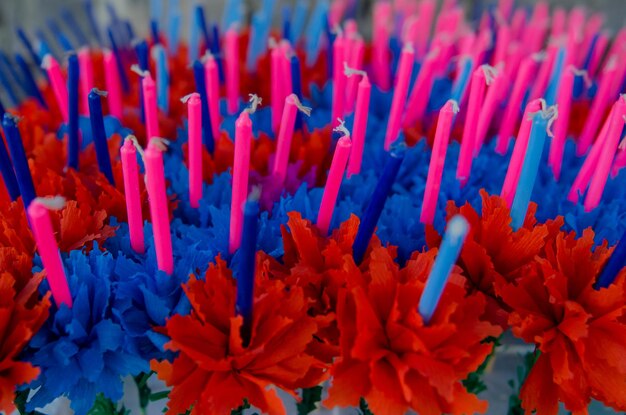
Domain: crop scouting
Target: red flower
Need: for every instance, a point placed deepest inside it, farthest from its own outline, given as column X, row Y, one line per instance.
column 214, row 372
column 493, row 252
column 18, row 323
column 580, row 331
column 390, row 357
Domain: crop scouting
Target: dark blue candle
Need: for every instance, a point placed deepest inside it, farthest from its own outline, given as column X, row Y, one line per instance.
column 245, row 276
column 64, row 42
column 296, row 84
column 29, row 47
column 8, row 87
column 376, row 204
column 72, row 93
column 141, row 49
column 92, row 20
column 286, row 22
column 613, row 266
column 14, row 76
column 207, row 131
column 217, row 51
column 29, row 81
column 70, row 21
column 119, row 60
column 154, row 30
column 201, row 20
column 99, row 135
column 6, row 168
column 18, row 156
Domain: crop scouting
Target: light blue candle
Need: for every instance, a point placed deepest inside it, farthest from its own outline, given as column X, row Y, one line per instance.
column 162, row 78
column 194, row 36
column 258, row 40
column 314, row 31
column 173, row 29
column 555, row 78
column 528, row 175
column 232, row 14
column 449, row 251
column 298, row 19
column 460, row 84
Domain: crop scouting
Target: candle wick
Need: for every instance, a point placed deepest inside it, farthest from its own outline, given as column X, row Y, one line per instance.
column 51, row 203
column 207, row 55
column 271, row 43
column 455, row 106
column 255, row 194
column 255, row 102
column 13, row 117
column 551, row 113
column 46, row 62
column 347, row 71
column 186, row 97
column 136, row 144
column 160, row 143
column 304, row 109
column 583, row 73
column 490, row 73
column 99, row 92
column 622, row 145
column 539, row 56
column 341, row 128
column 135, row 68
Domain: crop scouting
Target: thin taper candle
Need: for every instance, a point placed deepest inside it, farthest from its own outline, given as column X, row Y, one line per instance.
column 245, row 276
column 194, row 129
column 8, row 174
column 150, row 107
column 613, row 266
column 112, row 80
column 356, row 62
column 18, row 156
column 241, row 167
column 405, row 67
column 58, row 84
column 333, row 183
column 162, row 76
column 130, row 170
column 360, row 126
column 73, row 140
column 199, row 75
column 283, row 145
column 231, row 51
column 339, row 80
column 99, row 134
column 275, row 79
column 211, row 76
column 87, row 82
column 564, row 103
column 420, row 93
column 449, row 251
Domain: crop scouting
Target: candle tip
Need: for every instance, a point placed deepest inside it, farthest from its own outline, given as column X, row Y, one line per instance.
column 457, row 227
column 51, row 203
column 347, row 71
column 303, row 109
column 187, row 97
column 99, row 92
column 490, row 73
column 341, row 128
column 255, row 102
column 137, row 69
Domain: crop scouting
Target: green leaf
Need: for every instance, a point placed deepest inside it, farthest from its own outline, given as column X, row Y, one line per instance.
column 310, row 397
column 105, row 406
column 474, row 383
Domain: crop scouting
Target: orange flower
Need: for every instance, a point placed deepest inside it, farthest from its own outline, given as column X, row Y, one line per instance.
column 580, row 331
column 18, row 324
column 214, row 372
column 493, row 252
column 390, row 357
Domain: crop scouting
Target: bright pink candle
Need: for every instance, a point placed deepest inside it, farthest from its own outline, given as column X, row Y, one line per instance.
column 112, row 79
column 564, row 103
column 86, row 78
column 49, row 252
column 283, row 144
column 559, row 19
column 231, row 55
column 534, row 36
column 356, row 62
column 505, row 8
column 437, row 161
column 275, row 88
column 519, row 152
column 420, row 94
column 159, row 213
column 513, row 106
column 405, row 67
column 128, row 155
column 194, row 115
column 503, row 42
column 360, row 126
column 605, row 160
column 466, row 155
column 241, row 168
column 426, row 15
column 285, row 83
column 517, row 24
column 58, row 84
column 150, row 107
column 488, row 109
column 598, row 52
column 213, row 94
column 339, row 80
column 380, row 45
column 333, row 183
column 600, row 102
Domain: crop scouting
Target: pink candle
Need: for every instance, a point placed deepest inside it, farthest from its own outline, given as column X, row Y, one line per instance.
column 283, row 144
column 537, row 27
column 150, row 107
column 505, row 8
column 426, row 14
column 519, row 152
column 513, row 108
column 503, row 41
column 564, row 103
column 333, row 183
column 128, row 155
column 194, row 128
column 420, row 94
column 213, row 94
column 558, row 23
column 600, row 102
column 517, row 24
column 605, row 160
column 231, row 55
column 360, row 126
column 285, row 82
column 380, row 44
column 159, row 213
column 405, row 67
column 339, row 80
column 49, row 252
column 112, row 79
column 241, row 167
column 597, row 54
column 59, row 86
column 356, row 62
column 276, row 90
column 86, row 78
column 488, row 109
column 466, row 155
column 437, row 161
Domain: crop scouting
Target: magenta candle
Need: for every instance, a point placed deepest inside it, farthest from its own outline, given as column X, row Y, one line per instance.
column 488, row 109
column 564, row 103
column 87, row 82
column 283, row 145
column 231, row 54
column 598, row 52
column 241, row 168
column 356, row 62
column 59, row 86
column 150, row 107
column 48, row 249
column 437, row 161
column 503, row 41
column 360, row 125
column 285, row 82
column 194, row 129
column 418, row 99
column 380, row 44
column 112, row 79
column 213, row 94
column 333, row 183
column 130, row 170
column 466, row 154
column 275, row 89
column 519, row 152
column 405, row 67
column 159, row 213
column 339, row 80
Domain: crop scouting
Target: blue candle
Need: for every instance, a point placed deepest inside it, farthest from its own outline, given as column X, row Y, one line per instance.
column 314, row 32
column 72, row 93
column 528, row 175
column 300, row 13
column 64, row 42
column 99, row 135
column 446, row 258
column 207, row 132
column 258, row 39
column 29, row 47
column 119, row 60
column 286, row 22
column 92, row 20
column 613, row 266
column 373, row 211
column 154, row 30
column 555, row 78
column 458, row 89
column 245, row 276
column 162, row 78
column 6, row 167
column 20, row 162
column 194, row 36
column 8, row 87
column 29, row 81
column 232, row 13
column 141, row 49
column 174, row 26
column 216, row 50
column 296, row 85
column 201, row 21
column 71, row 22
